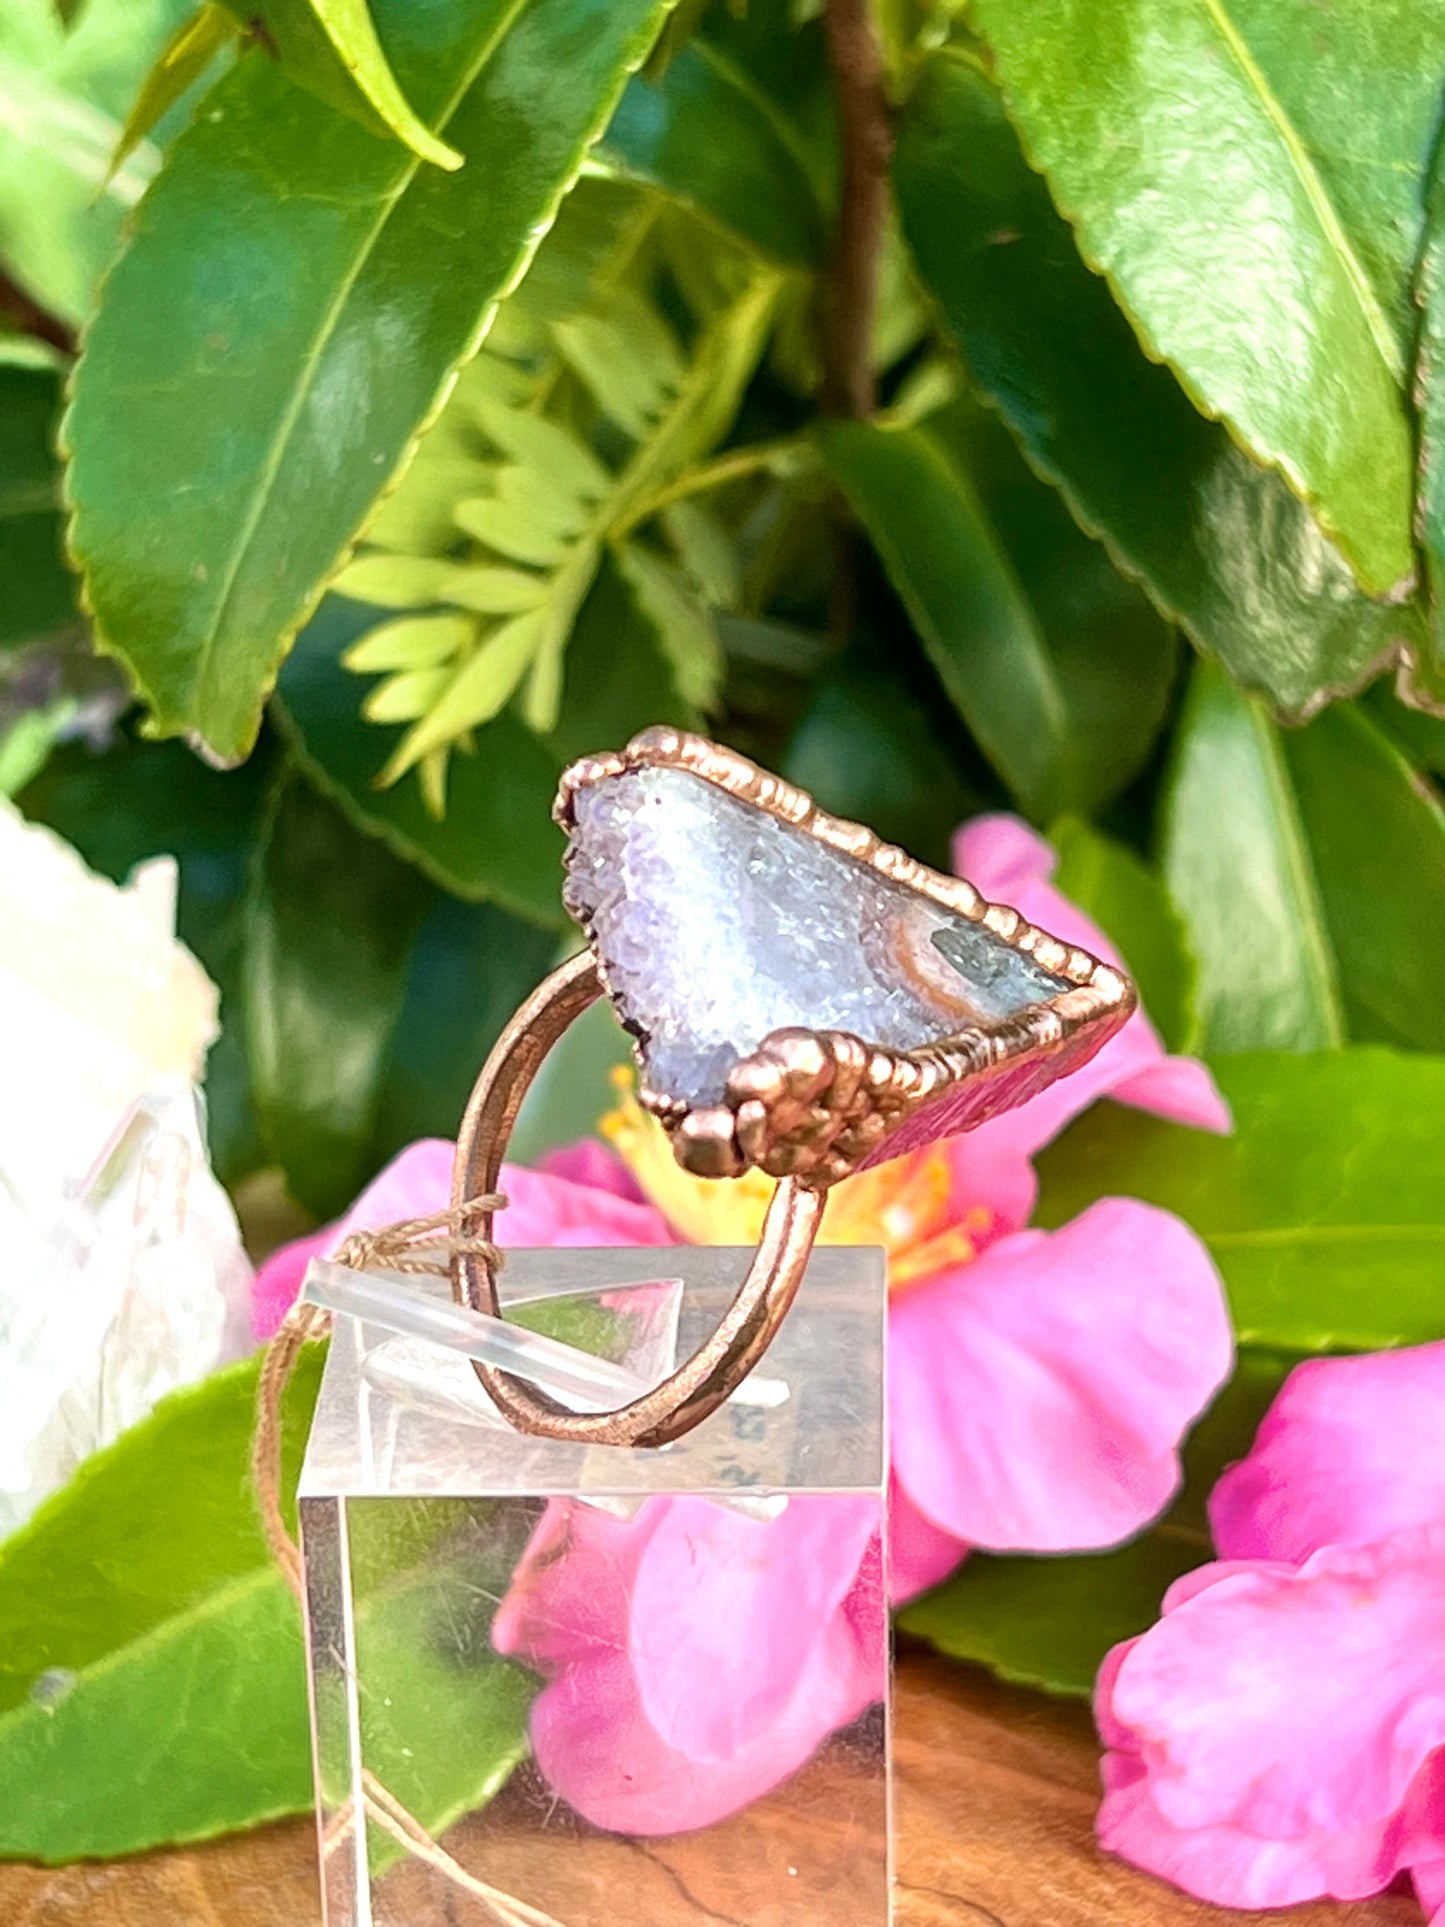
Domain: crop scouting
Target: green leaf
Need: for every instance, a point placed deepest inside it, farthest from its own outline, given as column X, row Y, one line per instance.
column 1360, row 799
column 1420, row 736
column 1131, row 905
column 308, row 333
column 621, row 675
column 443, row 1721
column 1273, row 846
column 180, row 64
column 152, row 1680
column 331, row 48
column 1194, row 189
column 497, row 839
column 331, row 922
column 1058, row 665
column 1048, row 1622
column 1428, row 671
column 1239, row 866
column 39, row 593
column 1324, row 1210
column 1220, row 544
column 867, row 749
column 63, row 98
column 708, row 134
column 470, row 967
column 140, row 800
column 681, row 627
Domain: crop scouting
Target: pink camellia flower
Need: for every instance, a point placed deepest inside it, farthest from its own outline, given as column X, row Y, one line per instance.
column 1040, row 1384
column 696, row 1656
column 1280, row 1734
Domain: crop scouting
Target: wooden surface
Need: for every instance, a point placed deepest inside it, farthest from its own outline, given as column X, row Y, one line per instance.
column 996, row 1795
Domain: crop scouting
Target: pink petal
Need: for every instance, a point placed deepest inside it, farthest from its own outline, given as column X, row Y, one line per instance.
column 1230, row 1864
column 277, row 1283
column 573, row 1611
column 727, row 1609
column 1038, row 1397
column 1429, row 1879
column 1004, row 859
column 1348, row 1453
column 541, row 1210
column 1297, row 1703
column 920, row 1553
column 588, row 1162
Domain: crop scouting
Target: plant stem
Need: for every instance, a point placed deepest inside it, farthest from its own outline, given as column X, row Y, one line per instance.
column 850, row 296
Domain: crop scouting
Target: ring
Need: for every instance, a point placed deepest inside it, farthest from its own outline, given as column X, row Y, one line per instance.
column 803, row 999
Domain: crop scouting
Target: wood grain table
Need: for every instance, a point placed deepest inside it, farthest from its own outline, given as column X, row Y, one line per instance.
column 996, row 1796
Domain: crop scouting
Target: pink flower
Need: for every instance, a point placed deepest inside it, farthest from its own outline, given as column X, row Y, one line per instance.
column 1040, row 1384
column 696, row 1657
column 1280, row 1734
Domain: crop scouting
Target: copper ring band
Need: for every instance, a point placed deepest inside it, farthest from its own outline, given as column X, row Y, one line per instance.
column 721, row 1364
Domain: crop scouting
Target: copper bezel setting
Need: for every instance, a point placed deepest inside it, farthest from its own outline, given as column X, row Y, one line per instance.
column 818, row 1105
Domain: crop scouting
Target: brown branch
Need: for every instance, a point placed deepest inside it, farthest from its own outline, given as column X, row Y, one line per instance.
column 851, row 294
column 29, row 318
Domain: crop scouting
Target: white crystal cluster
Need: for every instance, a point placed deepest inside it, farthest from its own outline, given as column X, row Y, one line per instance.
column 123, row 1273
column 717, row 924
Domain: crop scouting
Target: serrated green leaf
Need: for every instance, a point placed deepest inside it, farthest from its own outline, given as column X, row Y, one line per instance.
column 620, row 674
column 330, row 47
column 1060, row 668
column 411, row 642
column 274, row 438
column 497, row 839
column 405, row 696
column 471, row 966
column 512, row 531
column 1358, row 798
column 684, row 631
column 494, row 592
column 39, row 592
column 1219, row 543
column 707, row 132
column 707, row 552
column 1132, row 906
column 1239, row 866
column 330, row 925
column 628, row 358
column 1427, row 675
column 474, row 694
column 123, row 1603
column 866, row 748
column 1323, row 1211
column 180, row 64
column 63, row 98
column 1272, row 850
column 1048, row 1622
column 1194, row 188
column 555, row 459
column 395, row 581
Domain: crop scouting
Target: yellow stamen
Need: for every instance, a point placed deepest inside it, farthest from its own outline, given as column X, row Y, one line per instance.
column 906, row 1206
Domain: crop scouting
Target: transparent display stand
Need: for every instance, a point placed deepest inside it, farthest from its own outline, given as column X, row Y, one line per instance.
column 619, row 1688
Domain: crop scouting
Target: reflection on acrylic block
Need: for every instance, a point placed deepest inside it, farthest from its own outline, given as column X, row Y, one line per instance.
column 615, row 1686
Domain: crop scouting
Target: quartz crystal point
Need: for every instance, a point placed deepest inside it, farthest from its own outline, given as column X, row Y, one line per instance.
column 718, row 923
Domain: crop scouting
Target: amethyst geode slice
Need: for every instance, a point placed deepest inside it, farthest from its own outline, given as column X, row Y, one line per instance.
column 717, row 924
column 804, row 998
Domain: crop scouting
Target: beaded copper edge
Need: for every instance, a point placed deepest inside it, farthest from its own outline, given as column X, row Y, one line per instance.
column 818, row 1105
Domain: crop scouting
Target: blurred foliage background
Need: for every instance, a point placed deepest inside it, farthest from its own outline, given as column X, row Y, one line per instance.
column 1018, row 405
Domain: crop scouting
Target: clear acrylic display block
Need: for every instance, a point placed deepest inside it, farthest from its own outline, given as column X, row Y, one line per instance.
column 620, row 1688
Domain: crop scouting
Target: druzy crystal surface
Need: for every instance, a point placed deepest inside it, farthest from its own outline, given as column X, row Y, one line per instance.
column 717, row 924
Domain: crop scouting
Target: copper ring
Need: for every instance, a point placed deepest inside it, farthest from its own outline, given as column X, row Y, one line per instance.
column 808, row 1106
column 719, row 1366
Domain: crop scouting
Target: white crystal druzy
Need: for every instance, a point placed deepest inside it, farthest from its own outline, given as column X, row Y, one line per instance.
column 717, row 924
column 124, row 1274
